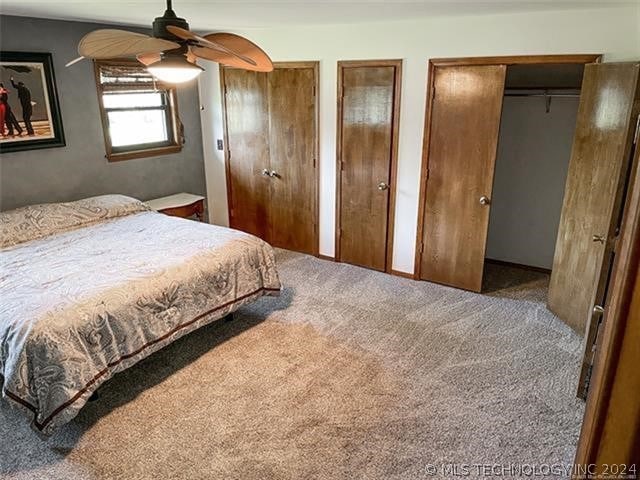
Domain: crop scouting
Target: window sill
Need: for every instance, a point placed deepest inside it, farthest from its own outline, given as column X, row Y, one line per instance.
column 151, row 152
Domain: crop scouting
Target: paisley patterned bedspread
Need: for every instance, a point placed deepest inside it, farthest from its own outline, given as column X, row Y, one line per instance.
column 104, row 285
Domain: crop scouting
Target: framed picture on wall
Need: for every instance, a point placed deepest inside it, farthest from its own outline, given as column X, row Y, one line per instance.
column 29, row 109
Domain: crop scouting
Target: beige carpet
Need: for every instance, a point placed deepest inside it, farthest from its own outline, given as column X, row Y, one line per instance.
column 350, row 374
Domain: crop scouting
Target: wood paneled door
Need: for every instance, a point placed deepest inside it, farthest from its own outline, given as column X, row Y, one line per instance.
column 247, row 149
column 271, row 122
column 611, row 426
column 368, row 118
column 606, row 130
column 462, row 124
column 465, row 121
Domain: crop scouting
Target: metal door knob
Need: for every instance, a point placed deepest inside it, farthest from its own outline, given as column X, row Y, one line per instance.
column 484, row 200
column 265, row 172
column 598, row 309
column 382, row 186
column 274, row 174
column 598, row 238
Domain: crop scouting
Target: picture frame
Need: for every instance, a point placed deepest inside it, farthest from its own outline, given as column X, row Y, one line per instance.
column 29, row 108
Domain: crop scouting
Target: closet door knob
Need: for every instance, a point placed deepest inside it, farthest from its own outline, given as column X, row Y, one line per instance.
column 484, row 200
column 265, row 172
column 382, row 186
column 598, row 238
column 274, row 174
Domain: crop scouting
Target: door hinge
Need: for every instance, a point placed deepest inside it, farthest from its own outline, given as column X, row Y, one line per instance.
column 342, row 165
column 590, row 354
column 421, row 248
column 314, row 90
column 637, row 132
column 340, row 233
column 584, row 390
column 229, row 154
column 433, row 93
column 427, row 174
column 314, row 163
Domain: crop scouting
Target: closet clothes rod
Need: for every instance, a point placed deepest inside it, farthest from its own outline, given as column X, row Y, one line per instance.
column 546, row 94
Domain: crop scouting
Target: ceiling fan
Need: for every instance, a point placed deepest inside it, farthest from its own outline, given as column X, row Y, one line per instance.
column 170, row 54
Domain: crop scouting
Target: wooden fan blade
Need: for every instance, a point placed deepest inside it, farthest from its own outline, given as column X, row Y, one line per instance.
column 148, row 58
column 74, row 61
column 203, row 43
column 191, row 57
column 110, row 43
column 238, row 44
column 183, row 33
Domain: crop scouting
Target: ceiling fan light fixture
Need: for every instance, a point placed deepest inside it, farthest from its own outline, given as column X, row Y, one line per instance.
column 175, row 69
column 170, row 52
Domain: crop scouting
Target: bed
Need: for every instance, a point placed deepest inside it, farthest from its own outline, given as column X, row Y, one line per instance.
column 89, row 288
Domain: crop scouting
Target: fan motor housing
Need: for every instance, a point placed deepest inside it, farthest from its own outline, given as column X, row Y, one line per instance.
column 160, row 25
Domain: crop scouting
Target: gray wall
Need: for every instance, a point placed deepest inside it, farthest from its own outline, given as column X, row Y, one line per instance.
column 531, row 170
column 80, row 169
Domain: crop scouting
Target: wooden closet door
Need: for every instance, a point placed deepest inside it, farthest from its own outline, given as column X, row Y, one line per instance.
column 292, row 142
column 366, row 136
column 247, row 131
column 598, row 169
column 465, row 122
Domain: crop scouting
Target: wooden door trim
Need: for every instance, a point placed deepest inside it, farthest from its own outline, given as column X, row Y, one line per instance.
column 297, row 64
column 370, row 63
column 422, row 195
column 517, row 60
column 426, row 138
column 315, row 65
column 225, row 140
column 614, row 374
column 397, row 95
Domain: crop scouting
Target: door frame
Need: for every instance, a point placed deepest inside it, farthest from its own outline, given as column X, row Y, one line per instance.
column 315, row 65
column 393, row 173
column 470, row 61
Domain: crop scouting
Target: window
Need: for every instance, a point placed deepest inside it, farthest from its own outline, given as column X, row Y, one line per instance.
column 139, row 114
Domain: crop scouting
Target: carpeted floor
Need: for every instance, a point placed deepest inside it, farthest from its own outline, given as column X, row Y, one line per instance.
column 351, row 374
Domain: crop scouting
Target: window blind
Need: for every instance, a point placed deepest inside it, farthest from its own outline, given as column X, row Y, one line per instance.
column 122, row 78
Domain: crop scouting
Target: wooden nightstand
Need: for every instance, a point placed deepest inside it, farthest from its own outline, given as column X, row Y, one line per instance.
column 185, row 205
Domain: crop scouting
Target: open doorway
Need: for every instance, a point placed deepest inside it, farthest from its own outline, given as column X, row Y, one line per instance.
column 539, row 113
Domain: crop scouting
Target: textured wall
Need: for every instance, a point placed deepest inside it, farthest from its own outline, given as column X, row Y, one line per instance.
column 80, row 169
